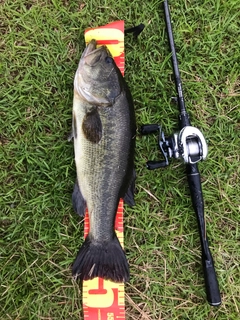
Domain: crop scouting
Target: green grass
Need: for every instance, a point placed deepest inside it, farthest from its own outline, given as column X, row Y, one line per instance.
column 41, row 43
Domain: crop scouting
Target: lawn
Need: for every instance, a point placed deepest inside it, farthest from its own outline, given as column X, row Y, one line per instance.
column 40, row 46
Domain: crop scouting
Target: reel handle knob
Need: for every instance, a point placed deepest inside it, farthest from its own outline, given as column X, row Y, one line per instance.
column 149, row 128
column 151, row 165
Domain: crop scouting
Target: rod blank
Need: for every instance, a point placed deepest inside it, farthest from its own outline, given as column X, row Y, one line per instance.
column 194, row 180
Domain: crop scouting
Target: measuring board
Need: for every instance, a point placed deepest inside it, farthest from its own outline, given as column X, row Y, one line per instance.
column 104, row 299
column 112, row 36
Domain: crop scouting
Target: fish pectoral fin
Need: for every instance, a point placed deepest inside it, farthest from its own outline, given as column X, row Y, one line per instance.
column 79, row 204
column 70, row 136
column 129, row 195
column 92, row 126
column 73, row 133
column 101, row 259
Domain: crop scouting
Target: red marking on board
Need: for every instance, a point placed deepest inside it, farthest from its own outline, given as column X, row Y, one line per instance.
column 106, row 42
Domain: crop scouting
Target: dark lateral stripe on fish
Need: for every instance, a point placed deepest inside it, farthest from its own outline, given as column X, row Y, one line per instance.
column 106, row 260
column 92, row 126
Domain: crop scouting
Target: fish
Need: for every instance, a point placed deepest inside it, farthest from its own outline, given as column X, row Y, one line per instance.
column 103, row 130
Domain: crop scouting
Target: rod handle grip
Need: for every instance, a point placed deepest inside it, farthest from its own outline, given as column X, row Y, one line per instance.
column 211, row 282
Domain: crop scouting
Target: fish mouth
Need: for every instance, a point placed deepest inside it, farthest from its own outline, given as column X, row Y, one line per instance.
column 92, row 54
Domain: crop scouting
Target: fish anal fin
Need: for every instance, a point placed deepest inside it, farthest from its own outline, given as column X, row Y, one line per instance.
column 129, row 195
column 79, row 204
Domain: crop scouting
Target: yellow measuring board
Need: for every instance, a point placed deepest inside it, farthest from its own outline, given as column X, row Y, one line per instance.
column 104, row 299
column 112, row 36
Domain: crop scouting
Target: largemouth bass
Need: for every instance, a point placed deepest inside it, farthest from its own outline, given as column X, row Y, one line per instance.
column 104, row 138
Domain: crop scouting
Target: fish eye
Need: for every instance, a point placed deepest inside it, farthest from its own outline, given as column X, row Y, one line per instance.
column 109, row 59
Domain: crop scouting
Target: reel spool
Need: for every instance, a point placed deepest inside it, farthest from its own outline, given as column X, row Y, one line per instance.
column 188, row 145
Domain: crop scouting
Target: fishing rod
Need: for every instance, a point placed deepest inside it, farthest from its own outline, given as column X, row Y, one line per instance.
column 190, row 146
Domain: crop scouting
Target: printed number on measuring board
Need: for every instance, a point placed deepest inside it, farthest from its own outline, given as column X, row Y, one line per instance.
column 110, row 316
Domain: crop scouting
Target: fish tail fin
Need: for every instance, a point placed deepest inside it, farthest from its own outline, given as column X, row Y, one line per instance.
column 106, row 260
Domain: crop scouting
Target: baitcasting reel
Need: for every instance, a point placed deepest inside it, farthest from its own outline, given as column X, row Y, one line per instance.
column 189, row 144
